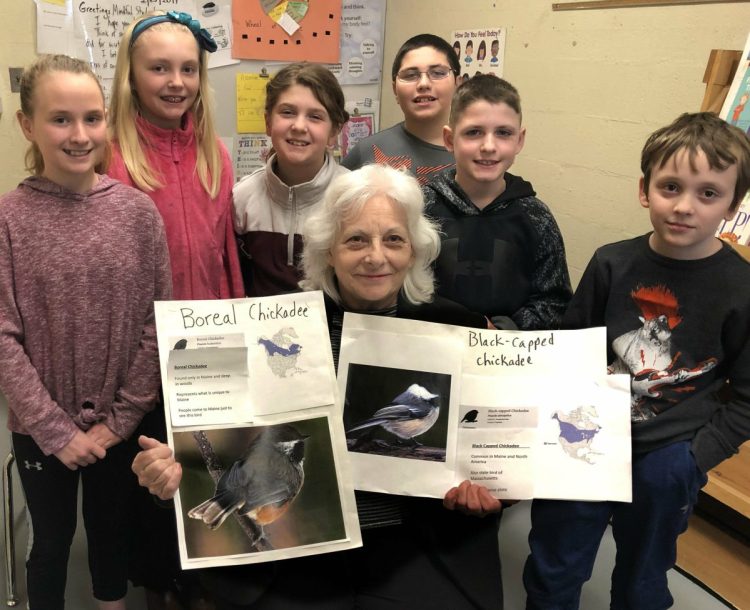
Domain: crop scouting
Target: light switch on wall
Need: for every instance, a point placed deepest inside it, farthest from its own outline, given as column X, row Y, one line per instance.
column 15, row 79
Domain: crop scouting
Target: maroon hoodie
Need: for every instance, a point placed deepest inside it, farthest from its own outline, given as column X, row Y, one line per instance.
column 78, row 277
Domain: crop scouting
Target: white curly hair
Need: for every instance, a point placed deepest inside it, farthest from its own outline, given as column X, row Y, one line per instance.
column 345, row 196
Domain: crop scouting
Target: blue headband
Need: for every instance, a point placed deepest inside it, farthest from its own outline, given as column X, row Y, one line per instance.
column 204, row 39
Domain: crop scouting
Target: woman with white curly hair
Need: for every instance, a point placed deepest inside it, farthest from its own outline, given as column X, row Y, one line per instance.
column 368, row 243
column 369, row 248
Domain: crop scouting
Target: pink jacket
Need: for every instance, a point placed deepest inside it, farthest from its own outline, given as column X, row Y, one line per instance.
column 200, row 236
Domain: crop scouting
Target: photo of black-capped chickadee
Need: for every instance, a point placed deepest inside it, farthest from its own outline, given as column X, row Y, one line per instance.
column 397, row 412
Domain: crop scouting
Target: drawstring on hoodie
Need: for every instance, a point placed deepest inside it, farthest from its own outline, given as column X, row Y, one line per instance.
column 292, row 228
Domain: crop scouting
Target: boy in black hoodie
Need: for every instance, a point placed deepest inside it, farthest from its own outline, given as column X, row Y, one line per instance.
column 502, row 252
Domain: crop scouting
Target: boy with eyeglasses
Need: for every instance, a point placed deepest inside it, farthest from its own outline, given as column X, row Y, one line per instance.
column 424, row 79
column 502, row 252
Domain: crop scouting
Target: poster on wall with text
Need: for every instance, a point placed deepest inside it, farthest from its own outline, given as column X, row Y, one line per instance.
column 92, row 30
column 362, row 29
column 287, row 31
column 479, row 51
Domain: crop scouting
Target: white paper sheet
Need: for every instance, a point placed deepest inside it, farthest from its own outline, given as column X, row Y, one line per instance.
column 378, row 368
column 558, row 438
column 537, row 415
column 250, row 394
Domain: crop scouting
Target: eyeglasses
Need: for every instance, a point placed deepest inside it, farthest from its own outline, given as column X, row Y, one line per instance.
column 412, row 75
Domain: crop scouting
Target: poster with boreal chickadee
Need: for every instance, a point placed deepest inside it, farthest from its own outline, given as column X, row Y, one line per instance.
column 254, row 420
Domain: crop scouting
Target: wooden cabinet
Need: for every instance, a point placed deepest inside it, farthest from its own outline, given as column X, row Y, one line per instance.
column 729, row 482
column 715, row 550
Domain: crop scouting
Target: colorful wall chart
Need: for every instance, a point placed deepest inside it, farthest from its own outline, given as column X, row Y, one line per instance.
column 287, row 31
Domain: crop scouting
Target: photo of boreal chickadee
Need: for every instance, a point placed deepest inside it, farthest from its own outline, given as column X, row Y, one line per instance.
column 262, row 483
column 396, row 412
column 279, row 479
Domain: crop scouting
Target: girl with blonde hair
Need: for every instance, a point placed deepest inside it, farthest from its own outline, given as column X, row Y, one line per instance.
column 78, row 349
column 165, row 144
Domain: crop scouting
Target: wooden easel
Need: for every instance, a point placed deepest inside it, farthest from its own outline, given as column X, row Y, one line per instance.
column 722, row 64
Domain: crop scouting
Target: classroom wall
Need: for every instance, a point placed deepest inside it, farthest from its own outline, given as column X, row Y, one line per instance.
column 594, row 84
column 16, row 49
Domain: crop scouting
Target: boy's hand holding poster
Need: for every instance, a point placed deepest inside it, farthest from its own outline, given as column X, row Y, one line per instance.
column 526, row 414
column 253, row 417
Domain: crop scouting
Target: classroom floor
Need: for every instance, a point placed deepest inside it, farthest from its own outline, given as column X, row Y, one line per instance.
column 515, row 526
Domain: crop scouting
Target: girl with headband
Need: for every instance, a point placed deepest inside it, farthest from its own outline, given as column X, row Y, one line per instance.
column 165, row 144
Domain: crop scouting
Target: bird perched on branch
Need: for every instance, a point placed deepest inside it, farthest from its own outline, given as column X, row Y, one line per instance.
column 263, row 483
column 410, row 414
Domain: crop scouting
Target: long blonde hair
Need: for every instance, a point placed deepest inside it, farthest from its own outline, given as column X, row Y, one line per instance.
column 125, row 107
column 46, row 64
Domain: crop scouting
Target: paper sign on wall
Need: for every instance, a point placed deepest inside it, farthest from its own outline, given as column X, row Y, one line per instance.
column 266, row 30
column 251, row 99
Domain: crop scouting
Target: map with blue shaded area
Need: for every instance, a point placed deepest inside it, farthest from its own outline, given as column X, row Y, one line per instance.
column 577, row 431
column 572, row 434
column 282, row 352
column 272, row 348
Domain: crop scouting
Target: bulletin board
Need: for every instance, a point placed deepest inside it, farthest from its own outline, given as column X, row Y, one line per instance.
column 346, row 36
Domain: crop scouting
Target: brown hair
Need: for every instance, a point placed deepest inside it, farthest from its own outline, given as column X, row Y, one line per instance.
column 723, row 144
column 483, row 87
column 319, row 79
column 46, row 64
column 427, row 40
